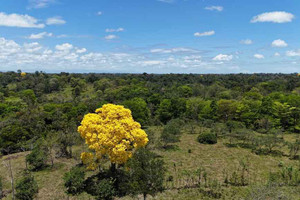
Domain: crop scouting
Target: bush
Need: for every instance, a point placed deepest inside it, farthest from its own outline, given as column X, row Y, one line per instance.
column 172, row 132
column 207, row 138
column 100, row 187
column 26, row 187
column 37, row 158
column 74, row 181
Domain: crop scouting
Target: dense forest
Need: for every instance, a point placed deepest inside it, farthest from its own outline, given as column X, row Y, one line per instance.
column 253, row 117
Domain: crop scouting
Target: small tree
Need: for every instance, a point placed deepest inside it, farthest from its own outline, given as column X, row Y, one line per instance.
column 26, row 187
column 171, row 132
column 207, row 138
column 74, row 181
column 146, row 173
column 38, row 157
column 294, row 148
column 105, row 189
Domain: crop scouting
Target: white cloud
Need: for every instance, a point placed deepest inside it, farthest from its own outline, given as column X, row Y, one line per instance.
column 55, row 21
column 293, row 53
column 83, row 50
column 277, row 54
column 223, row 57
column 208, row 33
column 67, row 57
column 40, row 3
column 151, row 62
column 174, row 50
column 279, row 43
column 108, row 30
column 64, row 47
column 259, row 56
column 212, row 8
column 32, row 47
column 99, row 13
column 16, row 20
column 247, row 42
column 39, row 35
column 8, row 47
column 110, row 37
column 275, row 17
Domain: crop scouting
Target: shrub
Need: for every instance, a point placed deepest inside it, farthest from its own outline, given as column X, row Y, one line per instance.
column 26, row 187
column 37, row 158
column 101, row 188
column 147, row 173
column 74, row 181
column 207, row 138
column 172, row 132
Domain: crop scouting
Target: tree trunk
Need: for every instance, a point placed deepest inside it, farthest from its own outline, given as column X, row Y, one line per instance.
column 145, row 196
column 113, row 167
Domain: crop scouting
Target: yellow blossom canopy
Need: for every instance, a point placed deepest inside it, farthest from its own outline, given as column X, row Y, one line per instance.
column 23, row 74
column 111, row 131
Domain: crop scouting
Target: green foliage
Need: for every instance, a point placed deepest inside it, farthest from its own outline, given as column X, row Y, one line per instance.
column 147, row 173
column 172, row 131
column 185, row 91
column 171, row 108
column 107, row 184
column 74, row 180
column 226, row 109
column 139, row 109
column 12, row 136
column 38, row 157
column 28, row 96
column 207, row 138
column 105, row 189
column 26, row 187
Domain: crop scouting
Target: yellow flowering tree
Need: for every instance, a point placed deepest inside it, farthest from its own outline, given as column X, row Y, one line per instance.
column 111, row 131
column 23, row 74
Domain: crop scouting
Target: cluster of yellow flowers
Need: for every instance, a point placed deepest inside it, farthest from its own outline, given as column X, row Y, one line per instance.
column 23, row 74
column 111, row 131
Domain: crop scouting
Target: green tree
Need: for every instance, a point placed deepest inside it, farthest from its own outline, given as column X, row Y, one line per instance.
column 165, row 111
column 29, row 97
column 38, row 157
column 139, row 108
column 185, row 91
column 147, row 173
column 171, row 109
column 171, row 132
column 74, row 180
column 226, row 109
column 26, row 187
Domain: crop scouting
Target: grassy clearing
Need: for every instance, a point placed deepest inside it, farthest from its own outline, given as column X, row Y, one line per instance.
column 214, row 158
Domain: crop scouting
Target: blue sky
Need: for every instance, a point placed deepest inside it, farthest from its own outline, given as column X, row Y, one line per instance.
column 154, row 36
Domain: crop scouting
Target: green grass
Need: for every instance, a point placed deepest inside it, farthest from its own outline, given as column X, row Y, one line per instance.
column 214, row 158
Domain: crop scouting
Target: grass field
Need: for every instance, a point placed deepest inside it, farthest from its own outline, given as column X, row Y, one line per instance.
column 189, row 155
